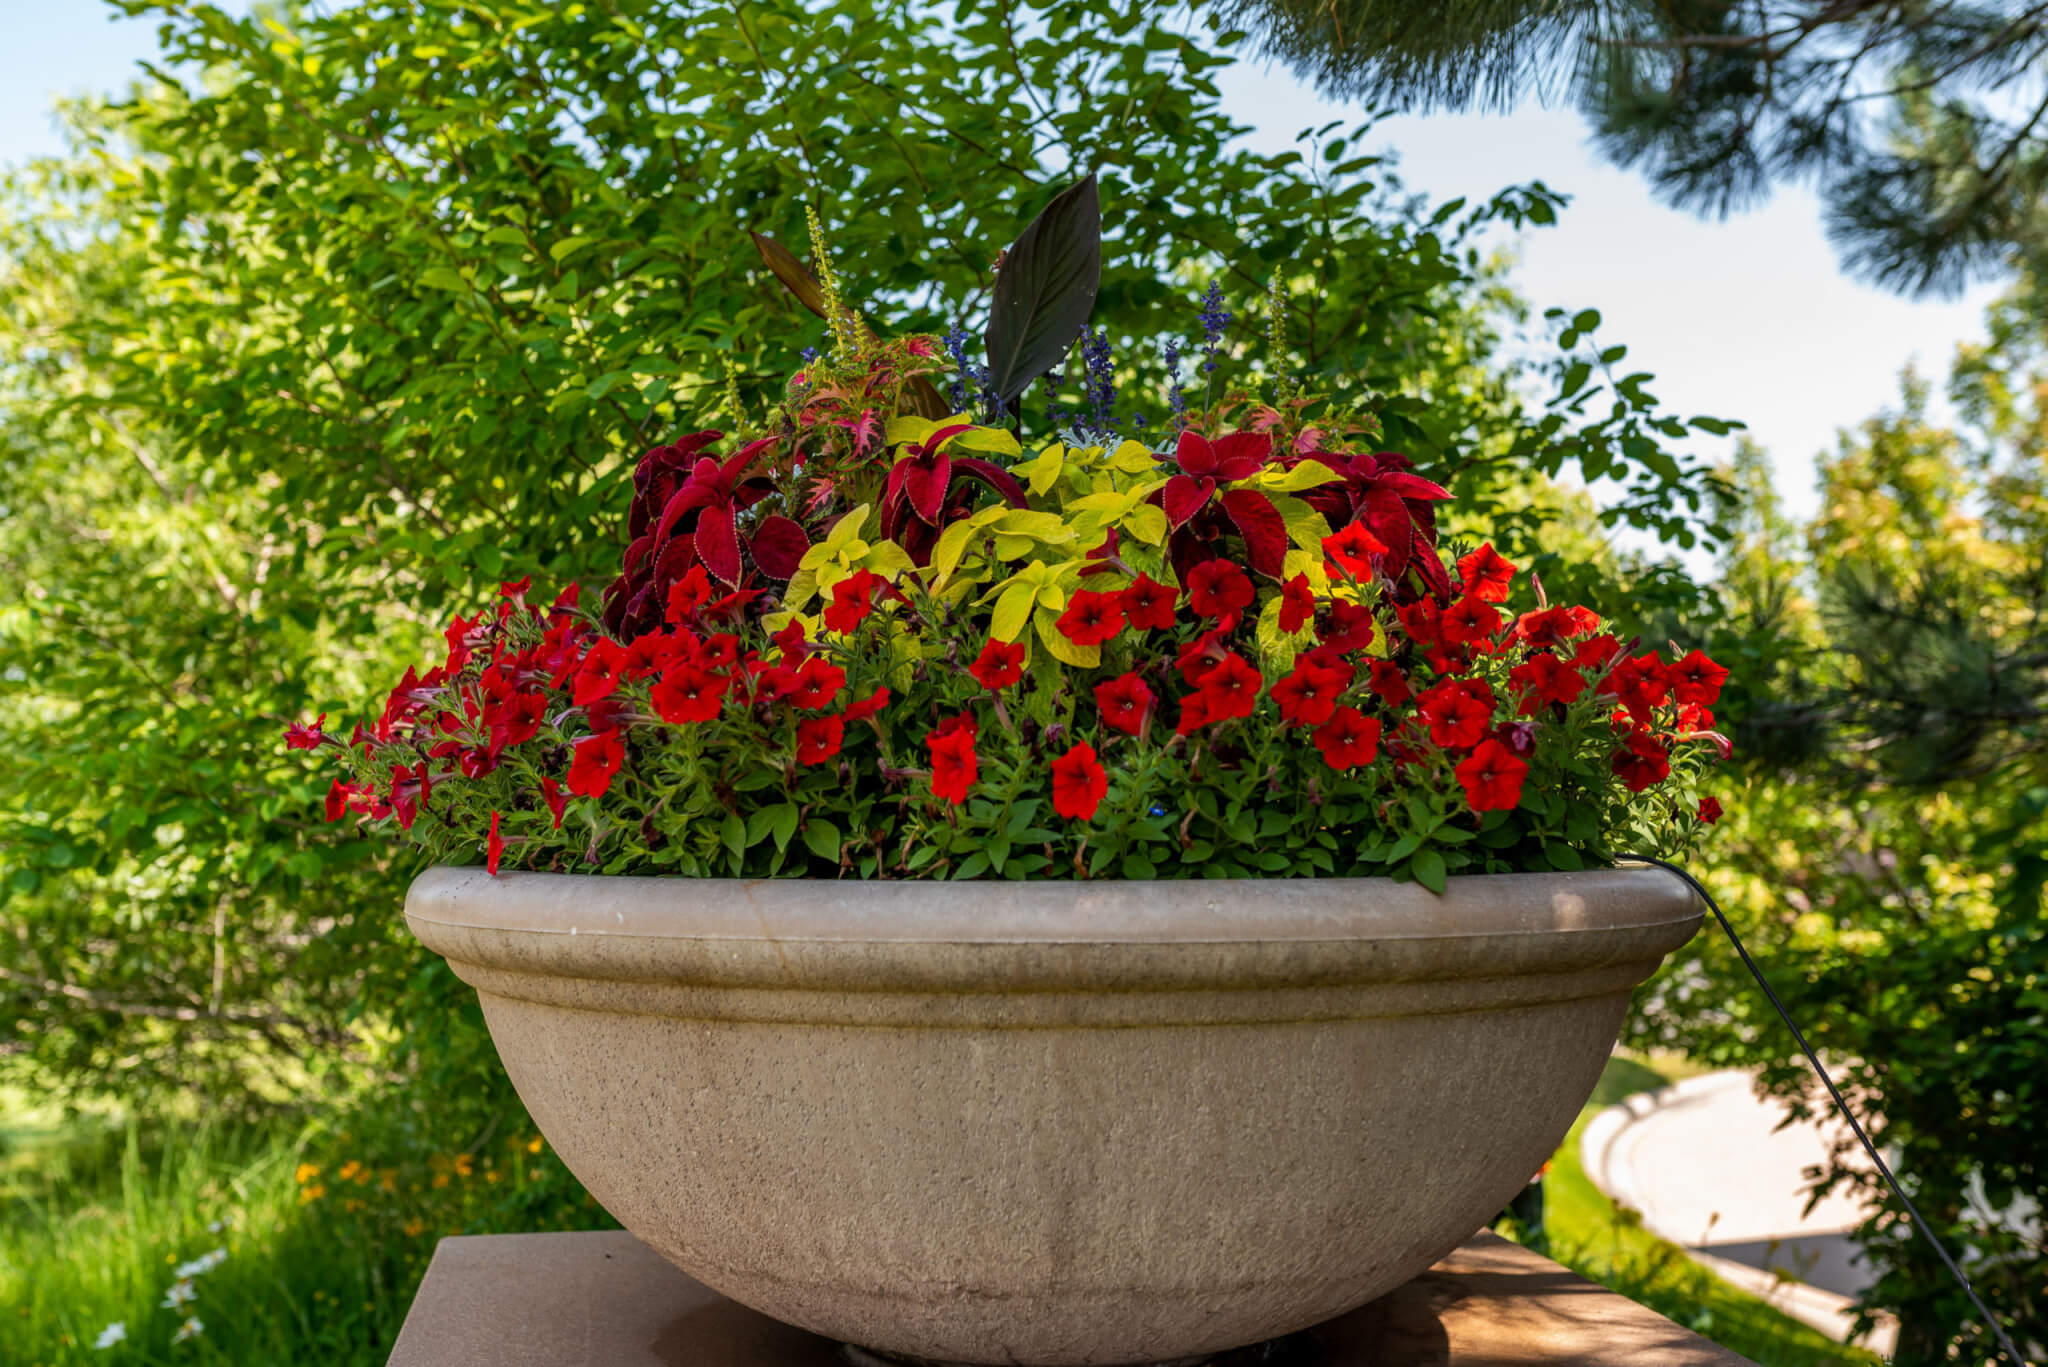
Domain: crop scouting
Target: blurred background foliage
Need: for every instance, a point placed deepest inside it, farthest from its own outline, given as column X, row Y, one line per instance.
column 341, row 318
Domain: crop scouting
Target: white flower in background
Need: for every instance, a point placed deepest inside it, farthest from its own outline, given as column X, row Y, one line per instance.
column 217, row 1226
column 112, row 1334
column 180, row 1294
column 202, row 1264
column 190, row 1329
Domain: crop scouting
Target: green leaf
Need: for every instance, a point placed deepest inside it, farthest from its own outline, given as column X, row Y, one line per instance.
column 569, row 246
column 1427, row 867
column 444, row 278
column 823, row 838
column 734, row 832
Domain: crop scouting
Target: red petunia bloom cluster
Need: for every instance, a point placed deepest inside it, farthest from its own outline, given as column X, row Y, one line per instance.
column 1361, row 667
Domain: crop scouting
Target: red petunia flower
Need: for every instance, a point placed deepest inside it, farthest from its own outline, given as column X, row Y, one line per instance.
column 1230, row 689
column 516, row 588
column 1422, row 620
column 645, row 654
column 1347, row 627
column 1695, row 680
column 1492, row 777
column 687, row 693
column 1469, row 621
column 1553, row 627
column 1194, row 714
column 1125, row 702
column 790, row 641
column 955, row 766
column 599, row 676
column 688, row 595
column 551, row 794
column 868, row 706
column 853, row 598
column 299, row 736
column 1078, row 783
column 1642, row 761
column 1000, row 664
column 458, row 636
column 1092, row 618
column 1355, row 550
column 592, row 763
column 1593, row 655
column 1389, row 684
column 1545, row 680
column 819, row 738
column 1148, row 604
column 494, row 848
column 1710, row 809
column 1459, row 712
column 1485, row 575
column 1308, row 695
column 1348, row 739
column 1217, row 588
column 514, row 720
column 338, row 794
column 1199, row 656
column 1297, row 603
column 1641, row 685
column 817, row 683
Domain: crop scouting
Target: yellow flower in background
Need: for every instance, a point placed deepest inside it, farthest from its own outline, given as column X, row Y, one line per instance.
column 307, row 1172
column 533, row 1145
column 308, row 1195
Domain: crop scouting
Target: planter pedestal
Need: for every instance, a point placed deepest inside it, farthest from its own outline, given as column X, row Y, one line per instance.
column 605, row 1300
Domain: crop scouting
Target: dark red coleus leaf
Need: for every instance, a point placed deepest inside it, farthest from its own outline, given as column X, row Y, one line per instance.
column 1183, row 497
column 1263, row 529
column 778, row 546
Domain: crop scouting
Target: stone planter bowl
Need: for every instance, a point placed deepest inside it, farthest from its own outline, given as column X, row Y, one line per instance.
column 1053, row 1123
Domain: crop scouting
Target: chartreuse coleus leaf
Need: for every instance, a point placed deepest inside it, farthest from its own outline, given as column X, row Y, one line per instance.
column 1306, row 475
column 909, row 428
column 1046, row 619
column 841, row 553
column 1036, row 585
column 1278, row 648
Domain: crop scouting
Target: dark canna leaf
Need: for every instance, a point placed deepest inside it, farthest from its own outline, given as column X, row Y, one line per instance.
column 793, row 274
column 1045, row 290
column 921, row 397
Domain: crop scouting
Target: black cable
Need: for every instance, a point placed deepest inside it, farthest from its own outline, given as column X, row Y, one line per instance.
column 1990, row 1320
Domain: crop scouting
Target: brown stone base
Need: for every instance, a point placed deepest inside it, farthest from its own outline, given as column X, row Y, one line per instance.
column 604, row 1300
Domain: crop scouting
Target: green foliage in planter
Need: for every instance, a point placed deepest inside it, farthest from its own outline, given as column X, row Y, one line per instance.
column 385, row 304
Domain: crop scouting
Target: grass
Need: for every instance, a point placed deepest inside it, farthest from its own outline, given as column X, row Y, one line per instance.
column 325, row 1239
column 327, row 1233
column 1598, row 1240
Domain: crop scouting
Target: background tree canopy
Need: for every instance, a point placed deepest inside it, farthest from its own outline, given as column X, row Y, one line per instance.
column 1925, row 127
column 1886, row 848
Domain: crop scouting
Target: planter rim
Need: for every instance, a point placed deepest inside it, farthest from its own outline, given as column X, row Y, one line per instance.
column 870, row 935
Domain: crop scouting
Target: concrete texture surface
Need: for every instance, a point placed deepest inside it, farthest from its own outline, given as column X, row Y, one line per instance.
column 605, row 1300
column 1058, row 1124
column 1714, row 1168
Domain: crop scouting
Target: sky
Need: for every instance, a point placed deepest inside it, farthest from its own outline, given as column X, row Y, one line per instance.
column 1748, row 318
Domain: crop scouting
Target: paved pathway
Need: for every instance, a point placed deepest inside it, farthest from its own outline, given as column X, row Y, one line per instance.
column 1705, row 1162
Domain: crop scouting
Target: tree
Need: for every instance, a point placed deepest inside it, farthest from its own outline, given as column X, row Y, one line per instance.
column 1885, row 853
column 1925, row 127
column 297, row 356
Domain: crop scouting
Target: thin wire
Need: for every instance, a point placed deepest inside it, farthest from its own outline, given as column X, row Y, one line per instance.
column 1990, row 1320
